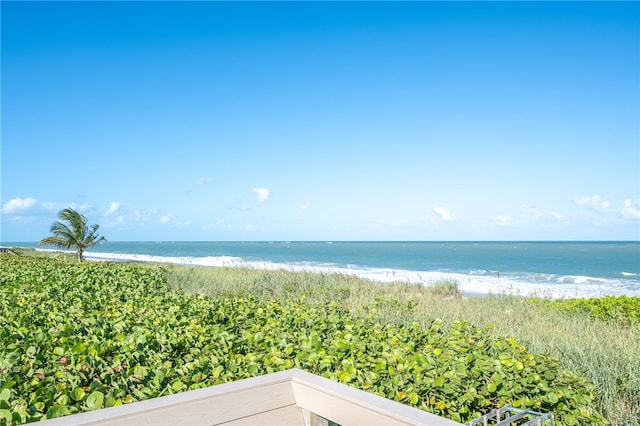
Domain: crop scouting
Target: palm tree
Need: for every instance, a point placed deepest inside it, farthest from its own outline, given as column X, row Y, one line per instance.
column 72, row 231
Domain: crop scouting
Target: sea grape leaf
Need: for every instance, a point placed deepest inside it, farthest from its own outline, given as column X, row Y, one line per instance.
column 126, row 335
column 57, row 411
column 5, row 414
column 95, row 400
column 5, row 394
column 77, row 394
column 344, row 376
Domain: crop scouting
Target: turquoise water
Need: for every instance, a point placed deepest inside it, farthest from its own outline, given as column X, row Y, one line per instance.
column 558, row 269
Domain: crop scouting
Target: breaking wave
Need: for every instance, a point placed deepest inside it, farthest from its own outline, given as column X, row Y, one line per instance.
column 473, row 282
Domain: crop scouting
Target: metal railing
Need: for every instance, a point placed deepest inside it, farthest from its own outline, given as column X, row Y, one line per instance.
column 508, row 415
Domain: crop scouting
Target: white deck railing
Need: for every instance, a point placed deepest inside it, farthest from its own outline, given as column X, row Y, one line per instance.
column 291, row 397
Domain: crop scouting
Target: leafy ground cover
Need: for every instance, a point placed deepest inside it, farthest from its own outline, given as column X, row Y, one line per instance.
column 623, row 310
column 605, row 352
column 76, row 337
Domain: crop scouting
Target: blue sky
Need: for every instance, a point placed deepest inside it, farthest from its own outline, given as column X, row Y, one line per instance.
column 322, row 121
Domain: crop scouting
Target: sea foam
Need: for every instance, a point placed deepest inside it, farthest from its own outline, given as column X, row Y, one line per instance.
column 477, row 282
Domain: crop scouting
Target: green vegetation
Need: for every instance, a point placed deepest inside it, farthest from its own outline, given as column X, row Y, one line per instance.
column 445, row 289
column 72, row 231
column 605, row 352
column 92, row 335
column 31, row 252
column 623, row 310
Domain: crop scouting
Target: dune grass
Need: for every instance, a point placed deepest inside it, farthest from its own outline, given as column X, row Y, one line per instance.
column 605, row 352
column 48, row 253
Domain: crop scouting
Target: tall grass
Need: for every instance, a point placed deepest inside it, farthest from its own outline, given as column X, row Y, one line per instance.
column 606, row 353
column 52, row 254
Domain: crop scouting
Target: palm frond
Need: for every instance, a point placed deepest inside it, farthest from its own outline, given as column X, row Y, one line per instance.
column 63, row 231
column 72, row 231
column 55, row 241
column 92, row 237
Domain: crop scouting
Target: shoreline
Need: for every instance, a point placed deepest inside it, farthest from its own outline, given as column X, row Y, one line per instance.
column 474, row 285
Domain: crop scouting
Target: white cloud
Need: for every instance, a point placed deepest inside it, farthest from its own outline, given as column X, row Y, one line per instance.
column 51, row 206
column 164, row 219
column 262, row 193
column 304, row 206
column 631, row 209
column 17, row 205
column 134, row 218
column 113, row 207
column 443, row 214
column 504, row 220
column 205, row 180
column 531, row 212
column 81, row 208
column 594, row 202
column 219, row 225
column 143, row 215
column 399, row 222
column 530, row 216
column 222, row 224
column 535, row 215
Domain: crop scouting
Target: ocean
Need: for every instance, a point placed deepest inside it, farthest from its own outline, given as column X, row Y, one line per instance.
column 547, row 269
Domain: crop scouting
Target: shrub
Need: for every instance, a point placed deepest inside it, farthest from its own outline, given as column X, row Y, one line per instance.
column 77, row 337
column 623, row 310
